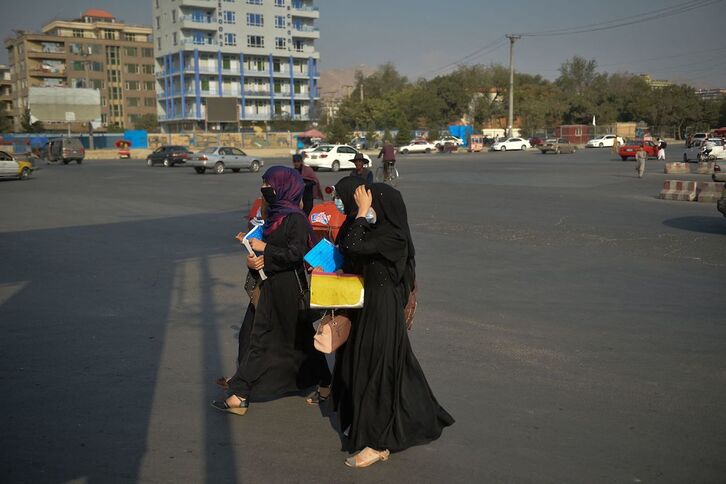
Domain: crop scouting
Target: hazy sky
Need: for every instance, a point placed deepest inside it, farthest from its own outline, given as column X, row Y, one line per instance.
column 422, row 37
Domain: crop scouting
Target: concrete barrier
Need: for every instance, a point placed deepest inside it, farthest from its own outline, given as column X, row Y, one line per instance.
column 678, row 167
column 709, row 192
column 679, row 190
column 705, row 167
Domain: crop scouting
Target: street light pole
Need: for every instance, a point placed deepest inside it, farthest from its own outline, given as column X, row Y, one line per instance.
column 512, row 39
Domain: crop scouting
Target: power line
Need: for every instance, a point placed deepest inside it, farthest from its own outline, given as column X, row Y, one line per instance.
column 500, row 41
column 624, row 21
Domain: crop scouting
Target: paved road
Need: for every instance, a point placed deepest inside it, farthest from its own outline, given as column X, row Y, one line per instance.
column 571, row 322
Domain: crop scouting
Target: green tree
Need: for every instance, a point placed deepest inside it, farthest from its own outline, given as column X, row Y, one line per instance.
column 27, row 124
column 148, row 122
column 404, row 132
column 6, row 125
column 337, row 132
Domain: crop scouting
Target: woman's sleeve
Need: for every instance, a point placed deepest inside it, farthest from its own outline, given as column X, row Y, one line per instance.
column 356, row 243
column 285, row 258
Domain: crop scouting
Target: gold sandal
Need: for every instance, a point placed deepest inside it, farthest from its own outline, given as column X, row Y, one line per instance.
column 367, row 457
column 223, row 406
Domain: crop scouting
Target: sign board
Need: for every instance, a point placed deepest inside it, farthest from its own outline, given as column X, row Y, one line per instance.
column 222, row 110
column 55, row 104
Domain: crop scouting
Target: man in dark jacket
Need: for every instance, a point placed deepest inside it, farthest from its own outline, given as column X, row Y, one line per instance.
column 388, row 152
column 360, row 170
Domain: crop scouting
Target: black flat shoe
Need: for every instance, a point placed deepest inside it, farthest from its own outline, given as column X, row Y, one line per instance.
column 223, row 406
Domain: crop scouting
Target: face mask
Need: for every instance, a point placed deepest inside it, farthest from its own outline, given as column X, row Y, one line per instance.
column 371, row 216
column 339, row 205
column 268, row 193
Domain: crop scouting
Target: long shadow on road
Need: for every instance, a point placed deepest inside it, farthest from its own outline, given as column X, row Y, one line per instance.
column 85, row 315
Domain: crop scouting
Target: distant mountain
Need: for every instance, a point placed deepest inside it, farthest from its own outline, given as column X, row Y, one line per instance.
column 333, row 82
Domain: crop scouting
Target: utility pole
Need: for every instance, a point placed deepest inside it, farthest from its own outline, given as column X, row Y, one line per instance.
column 361, row 92
column 512, row 39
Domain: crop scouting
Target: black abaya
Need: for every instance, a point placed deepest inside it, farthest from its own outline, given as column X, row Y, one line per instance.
column 379, row 388
column 276, row 353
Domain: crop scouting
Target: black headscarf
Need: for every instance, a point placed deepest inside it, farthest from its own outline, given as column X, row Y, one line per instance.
column 392, row 223
column 345, row 190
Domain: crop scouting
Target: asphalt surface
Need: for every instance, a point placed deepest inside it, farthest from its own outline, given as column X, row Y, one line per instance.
column 571, row 322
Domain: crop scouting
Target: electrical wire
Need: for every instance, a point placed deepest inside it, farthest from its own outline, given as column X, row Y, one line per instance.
column 487, row 49
column 625, row 21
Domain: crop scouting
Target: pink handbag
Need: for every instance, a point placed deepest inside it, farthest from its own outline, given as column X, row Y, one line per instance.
column 332, row 332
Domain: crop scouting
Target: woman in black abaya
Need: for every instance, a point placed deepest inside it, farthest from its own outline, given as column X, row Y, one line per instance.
column 382, row 396
column 276, row 353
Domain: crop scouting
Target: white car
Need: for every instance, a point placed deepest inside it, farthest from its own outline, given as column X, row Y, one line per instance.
column 511, row 144
column 333, row 157
column 603, row 141
column 448, row 139
column 417, row 146
column 311, row 148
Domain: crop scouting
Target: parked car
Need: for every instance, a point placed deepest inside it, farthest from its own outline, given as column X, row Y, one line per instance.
column 12, row 168
column 629, row 149
column 64, row 150
column 510, row 144
column 698, row 137
column 359, row 143
column 168, row 155
column 536, row 141
column 555, row 145
column 692, row 152
column 604, row 141
column 333, row 157
column 417, row 146
column 220, row 158
column 448, row 139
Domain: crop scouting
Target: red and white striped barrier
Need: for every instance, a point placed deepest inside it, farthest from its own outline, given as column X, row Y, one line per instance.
column 705, row 167
column 678, row 167
column 709, row 192
column 679, row 190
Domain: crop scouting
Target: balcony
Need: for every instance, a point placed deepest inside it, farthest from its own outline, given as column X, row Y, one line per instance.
column 47, row 73
column 257, row 93
column 197, row 23
column 46, row 54
column 208, row 4
column 256, row 116
column 306, row 31
column 301, row 10
column 206, row 42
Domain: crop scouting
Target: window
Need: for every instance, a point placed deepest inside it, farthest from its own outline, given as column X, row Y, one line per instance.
column 276, row 65
column 130, row 37
column 255, row 64
column 173, row 38
column 113, row 76
column 254, row 2
column 230, row 17
column 147, row 68
column 198, row 38
column 77, row 65
column 158, row 43
column 296, row 88
column 149, row 102
column 131, row 51
column 77, row 33
column 255, row 41
column 157, row 3
column 95, row 66
column 226, row 63
column 205, row 84
column 133, row 102
column 109, row 34
column 147, row 52
column 279, row 3
column 230, row 39
column 279, row 21
column 74, row 48
column 97, row 84
column 132, row 68
column 173, row 16
column 255, row 20
column 158, row 22
column 298, row 45
column 280, row 43
column 149, row 85
column 114, row 93
column 133, row 86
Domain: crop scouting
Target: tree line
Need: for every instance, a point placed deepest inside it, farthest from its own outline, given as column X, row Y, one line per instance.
column 480, row 93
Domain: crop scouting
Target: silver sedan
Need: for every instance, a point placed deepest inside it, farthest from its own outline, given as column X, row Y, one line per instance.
column 220, row 158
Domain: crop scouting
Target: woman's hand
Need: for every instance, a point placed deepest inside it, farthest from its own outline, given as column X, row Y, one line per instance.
column 364, row 200
column 258, row 245
column 256, row 262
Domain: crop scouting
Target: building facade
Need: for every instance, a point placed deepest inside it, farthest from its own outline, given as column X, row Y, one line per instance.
column 6, row 98
column 95, row 51
column 716, row 94
column 258, row 54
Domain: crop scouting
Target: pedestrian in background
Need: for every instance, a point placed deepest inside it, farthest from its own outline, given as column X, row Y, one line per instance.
column 383, row 399
column 276, row 353
column 640, row 156
column 313, row 189
column 661, row 150
column 360, row 170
